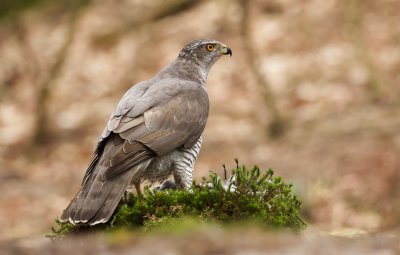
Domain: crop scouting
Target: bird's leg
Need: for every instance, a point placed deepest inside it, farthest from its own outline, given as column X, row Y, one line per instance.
column 183, row 179
column 125, row 198
column 138, row 190
column 127, row 192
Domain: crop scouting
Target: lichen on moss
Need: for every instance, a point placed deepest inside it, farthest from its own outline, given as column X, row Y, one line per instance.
column 247, row 195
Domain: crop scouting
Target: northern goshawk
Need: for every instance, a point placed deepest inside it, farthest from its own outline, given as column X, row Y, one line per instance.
column 155, row 131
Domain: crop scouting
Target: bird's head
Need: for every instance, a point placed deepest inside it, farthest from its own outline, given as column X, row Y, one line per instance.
column 204, row 52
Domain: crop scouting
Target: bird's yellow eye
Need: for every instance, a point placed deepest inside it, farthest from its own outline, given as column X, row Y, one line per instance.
column 210, row 47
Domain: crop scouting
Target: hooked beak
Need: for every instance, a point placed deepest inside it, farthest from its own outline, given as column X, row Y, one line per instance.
column 226, row 51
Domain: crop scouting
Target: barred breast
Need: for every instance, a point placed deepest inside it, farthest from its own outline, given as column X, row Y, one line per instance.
column 184, row 164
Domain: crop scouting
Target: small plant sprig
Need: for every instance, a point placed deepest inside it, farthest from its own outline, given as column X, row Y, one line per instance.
column 246, row 195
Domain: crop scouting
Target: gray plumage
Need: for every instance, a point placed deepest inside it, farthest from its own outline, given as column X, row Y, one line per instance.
column 155, row 131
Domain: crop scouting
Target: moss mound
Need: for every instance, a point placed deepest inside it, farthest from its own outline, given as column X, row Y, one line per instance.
column 247, row 195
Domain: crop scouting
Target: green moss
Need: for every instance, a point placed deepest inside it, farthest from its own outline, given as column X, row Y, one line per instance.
column 248, row 195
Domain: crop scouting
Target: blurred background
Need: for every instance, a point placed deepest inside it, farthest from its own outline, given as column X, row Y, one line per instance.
column 312, row 90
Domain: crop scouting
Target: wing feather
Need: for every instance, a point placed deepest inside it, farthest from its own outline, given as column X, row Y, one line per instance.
column 148, row 123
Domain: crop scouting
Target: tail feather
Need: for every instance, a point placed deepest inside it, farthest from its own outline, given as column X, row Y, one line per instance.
column 99, row 195
column 98, row 203
column 69, row 214
column 107, row 209
column 118, row 189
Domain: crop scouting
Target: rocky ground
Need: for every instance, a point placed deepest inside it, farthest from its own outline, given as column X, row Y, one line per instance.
column 214, row 240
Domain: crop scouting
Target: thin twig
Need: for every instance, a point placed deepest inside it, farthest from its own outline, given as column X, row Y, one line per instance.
column 277, row 123
column 43, row 96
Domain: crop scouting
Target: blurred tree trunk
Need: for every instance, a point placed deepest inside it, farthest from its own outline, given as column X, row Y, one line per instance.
column 28, row 53
column 278, row 124
column 41, row 127
column 44, row 90
column 354, row 12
